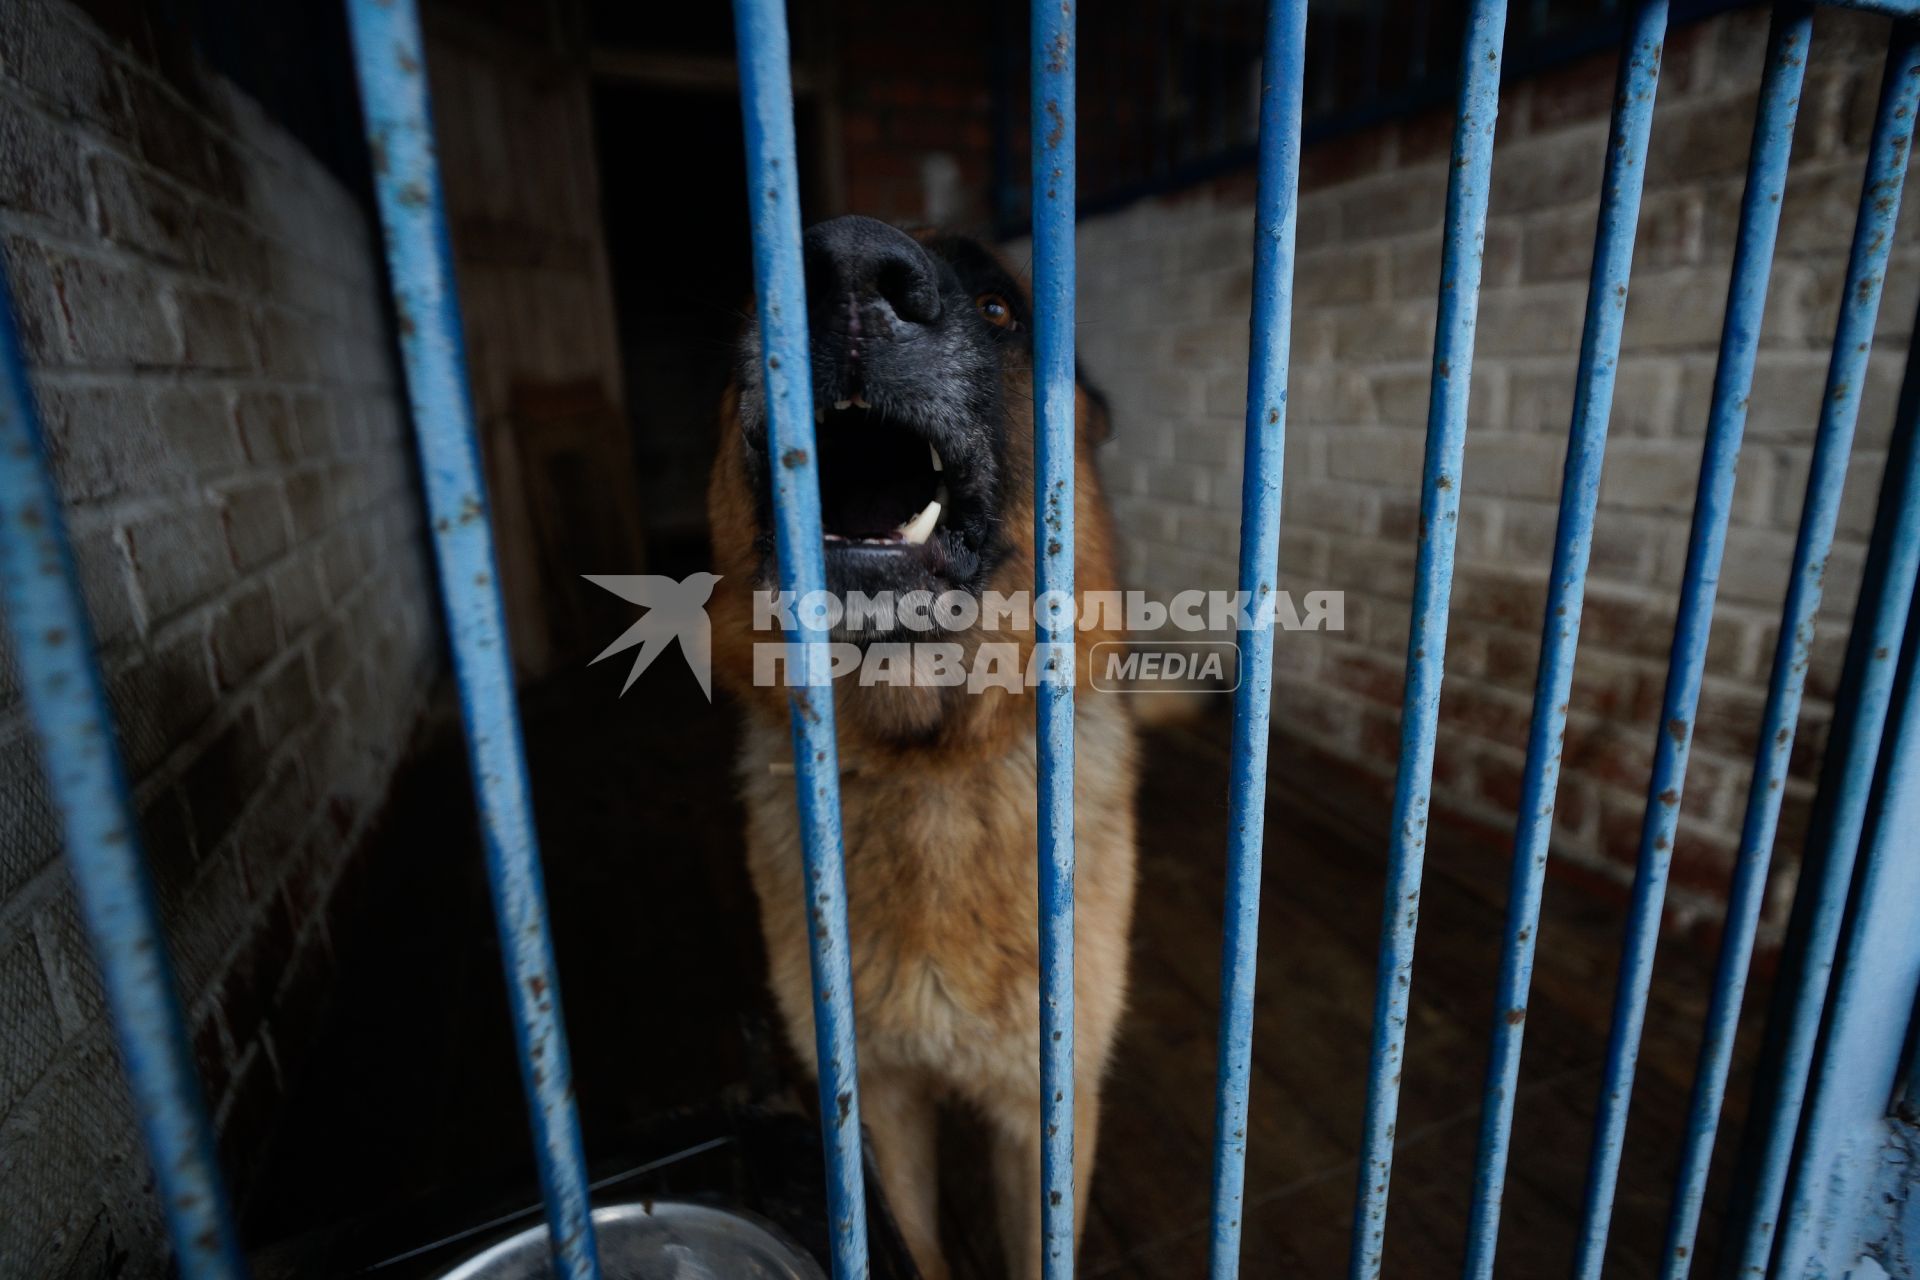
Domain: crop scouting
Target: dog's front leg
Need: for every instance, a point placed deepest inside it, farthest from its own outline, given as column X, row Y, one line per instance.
column 898, row 1110
column 1016, row 1175
column 1016, row 1189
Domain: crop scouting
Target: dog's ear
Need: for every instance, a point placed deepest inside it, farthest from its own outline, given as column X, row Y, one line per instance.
column 1091, row 408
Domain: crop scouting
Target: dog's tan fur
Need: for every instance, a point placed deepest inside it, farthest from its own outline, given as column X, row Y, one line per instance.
column 938, row 803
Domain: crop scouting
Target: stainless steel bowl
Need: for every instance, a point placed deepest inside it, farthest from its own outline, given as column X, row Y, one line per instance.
column 663, row 1240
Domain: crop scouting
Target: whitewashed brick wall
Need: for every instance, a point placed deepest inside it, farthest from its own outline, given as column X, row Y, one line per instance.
column 1163, row 305
column 202, row 308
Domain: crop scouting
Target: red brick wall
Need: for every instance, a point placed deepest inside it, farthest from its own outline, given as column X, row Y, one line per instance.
column 914, row 82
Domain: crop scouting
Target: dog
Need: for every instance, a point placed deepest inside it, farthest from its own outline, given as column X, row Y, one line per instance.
column 923, row 394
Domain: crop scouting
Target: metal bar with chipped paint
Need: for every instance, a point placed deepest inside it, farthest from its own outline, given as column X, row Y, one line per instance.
column 1469, row 178
column 1852, row 1153
column 390, row 62
column 766, row 100
column 54, row 653
column 1860, row 714
column 1637, row 83
column 1846, row 783
column 1054, row 413
column 1276, row 217
column 1726, row 422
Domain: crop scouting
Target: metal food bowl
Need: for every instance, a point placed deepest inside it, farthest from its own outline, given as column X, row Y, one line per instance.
column 659, row 1240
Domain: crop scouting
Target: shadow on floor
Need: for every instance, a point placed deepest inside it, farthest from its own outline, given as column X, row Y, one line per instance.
column 407, row 1124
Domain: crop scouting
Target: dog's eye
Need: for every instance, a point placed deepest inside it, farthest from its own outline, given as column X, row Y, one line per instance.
column 996, row 310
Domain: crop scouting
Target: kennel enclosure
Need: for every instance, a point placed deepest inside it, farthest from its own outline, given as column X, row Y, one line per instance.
column 1817, row 1131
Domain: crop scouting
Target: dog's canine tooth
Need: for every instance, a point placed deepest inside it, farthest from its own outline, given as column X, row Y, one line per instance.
column 958, row 754
column 860, row 402
column 920, row 528
column 820, row 416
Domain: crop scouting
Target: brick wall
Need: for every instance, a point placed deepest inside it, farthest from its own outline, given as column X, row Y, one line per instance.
column 201, row 303
column 916, row 123
column 1163, row 323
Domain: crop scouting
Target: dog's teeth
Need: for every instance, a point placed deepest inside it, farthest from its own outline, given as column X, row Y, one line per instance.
column 842, row 404
column 860, row 402
column 920, row 528
column 937, row 464
column 820, row 416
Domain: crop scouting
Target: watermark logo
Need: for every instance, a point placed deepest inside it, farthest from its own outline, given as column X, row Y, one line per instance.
column 914, row 638
column 1165, row 666
column 675, row 611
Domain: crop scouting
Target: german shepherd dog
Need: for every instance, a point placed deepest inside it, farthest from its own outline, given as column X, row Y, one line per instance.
column 923, row 385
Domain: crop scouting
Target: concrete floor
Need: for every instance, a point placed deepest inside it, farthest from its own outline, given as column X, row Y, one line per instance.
column 407, row 1125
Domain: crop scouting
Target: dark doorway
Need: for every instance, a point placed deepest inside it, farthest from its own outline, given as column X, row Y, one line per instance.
column 673, row 183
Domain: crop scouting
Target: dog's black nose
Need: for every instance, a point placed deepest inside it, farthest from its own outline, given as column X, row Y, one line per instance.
column 866, row 277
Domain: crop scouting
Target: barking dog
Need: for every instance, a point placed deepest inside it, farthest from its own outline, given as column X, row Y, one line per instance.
column 923, row 384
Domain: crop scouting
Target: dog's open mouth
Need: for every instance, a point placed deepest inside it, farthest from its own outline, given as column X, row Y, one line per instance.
column 882, row 484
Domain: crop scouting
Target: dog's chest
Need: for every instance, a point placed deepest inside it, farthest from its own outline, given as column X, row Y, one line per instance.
column 941, row 887
column 942, row 884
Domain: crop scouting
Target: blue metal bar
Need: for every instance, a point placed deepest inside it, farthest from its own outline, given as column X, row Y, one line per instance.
column 1861, row 710
column 1276, row 216
column 1053, row 499
column 1838, row 824
column 1468, row 180
column 766, row 101
column 1849, row 1156
column 1905, row 1105
column 1891, row 8
column 54, row 652
column 1879, row 619
column 390, row 61
column 1739, row 341
column 1637, row 83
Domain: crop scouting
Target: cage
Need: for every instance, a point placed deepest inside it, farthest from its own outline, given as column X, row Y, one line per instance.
column 319, row 316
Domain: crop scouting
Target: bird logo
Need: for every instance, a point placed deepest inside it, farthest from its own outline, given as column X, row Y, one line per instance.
column 676, row 610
